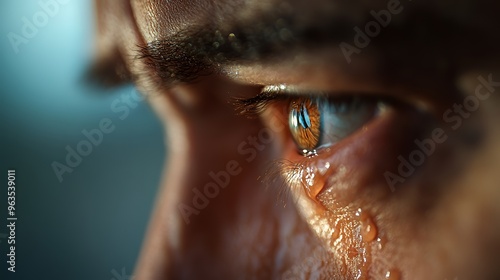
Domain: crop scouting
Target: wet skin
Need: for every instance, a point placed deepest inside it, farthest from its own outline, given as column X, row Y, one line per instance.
column 366, row 205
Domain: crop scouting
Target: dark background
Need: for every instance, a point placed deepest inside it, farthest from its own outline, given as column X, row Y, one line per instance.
column 90, row 225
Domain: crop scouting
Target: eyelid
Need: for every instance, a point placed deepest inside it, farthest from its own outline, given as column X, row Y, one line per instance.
column 288, row 89
column 252, row 107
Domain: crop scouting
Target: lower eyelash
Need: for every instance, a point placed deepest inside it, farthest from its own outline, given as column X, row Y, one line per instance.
column 284, row 176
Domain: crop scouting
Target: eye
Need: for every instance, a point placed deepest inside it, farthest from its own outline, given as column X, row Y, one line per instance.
column 315, row 120
column 318, row 122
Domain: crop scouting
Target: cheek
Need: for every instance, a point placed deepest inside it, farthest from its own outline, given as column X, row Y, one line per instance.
column 344, row 195
column 466, row 224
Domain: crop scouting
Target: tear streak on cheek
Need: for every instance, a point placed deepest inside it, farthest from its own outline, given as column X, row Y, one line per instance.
column 338, row 191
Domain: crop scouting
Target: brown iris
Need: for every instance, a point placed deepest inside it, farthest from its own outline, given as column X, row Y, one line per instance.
column 305, row 123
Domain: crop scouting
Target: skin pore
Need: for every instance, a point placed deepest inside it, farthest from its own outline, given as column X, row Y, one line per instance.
column 332, row 215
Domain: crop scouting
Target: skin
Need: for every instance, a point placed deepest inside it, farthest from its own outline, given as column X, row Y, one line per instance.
column 442, row 222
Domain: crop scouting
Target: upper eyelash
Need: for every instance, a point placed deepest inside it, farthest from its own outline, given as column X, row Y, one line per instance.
column 251, row 107
column 254, row 106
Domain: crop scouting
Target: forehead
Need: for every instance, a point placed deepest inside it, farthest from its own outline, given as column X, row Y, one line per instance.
column 162, row 17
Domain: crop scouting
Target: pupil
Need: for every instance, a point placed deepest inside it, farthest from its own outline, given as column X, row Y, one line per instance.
column 304, row 119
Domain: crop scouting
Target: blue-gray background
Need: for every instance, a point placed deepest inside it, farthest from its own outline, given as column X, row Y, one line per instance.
column 94, row 221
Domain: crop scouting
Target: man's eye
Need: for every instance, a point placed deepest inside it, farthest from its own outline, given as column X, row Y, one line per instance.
column 319, row 122
column 356, row 137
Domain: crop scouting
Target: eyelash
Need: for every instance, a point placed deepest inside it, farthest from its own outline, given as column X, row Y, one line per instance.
column 283, row 175
column 252, row 107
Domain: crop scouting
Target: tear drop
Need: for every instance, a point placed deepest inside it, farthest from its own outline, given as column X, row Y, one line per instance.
column 393, row 274
column 312, row 181
column 368, row 230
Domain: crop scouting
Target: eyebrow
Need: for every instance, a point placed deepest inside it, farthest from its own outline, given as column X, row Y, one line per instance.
column 420, row 37
column 187, row 54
